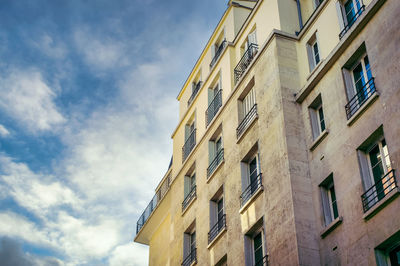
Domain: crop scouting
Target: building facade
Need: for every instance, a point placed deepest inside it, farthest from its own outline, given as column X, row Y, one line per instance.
column 287, row 142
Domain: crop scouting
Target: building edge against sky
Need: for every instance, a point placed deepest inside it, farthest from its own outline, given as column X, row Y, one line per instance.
column 288, row 141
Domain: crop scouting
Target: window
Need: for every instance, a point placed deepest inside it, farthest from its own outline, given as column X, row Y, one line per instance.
column 313, row 52
column 248, row 51
column 217, row 215
column 247, row 108
column 359, row 82
column 190, row 138
column 317, row 117
column 388, row 253
column 251, row 175
column 189, row 246
column 217, row 48
column 189, row 187
column 255, row 246
column 329, row 204
column 317, row 3
column 214, row 100
column 196, row 85
column 348, row 12
column 215, row 151
column 376, row 170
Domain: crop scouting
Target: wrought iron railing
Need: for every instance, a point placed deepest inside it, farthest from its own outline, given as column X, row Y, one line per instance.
column 219, row 157
column 379, row 190
column 262, row 262
column 194, row 92
column 246, row 120
column 213, row 108
column 360, row 98
column 190, row 258
column 245, row 61
column 251, row 189
column 351, row 21
column 189, row 198
column 189, row 145
column 218, row 227
column 218, row 53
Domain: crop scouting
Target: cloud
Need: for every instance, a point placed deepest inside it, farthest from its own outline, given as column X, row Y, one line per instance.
column 3, row 131
column 26, row 97
column 50, row 47
column 127, row 255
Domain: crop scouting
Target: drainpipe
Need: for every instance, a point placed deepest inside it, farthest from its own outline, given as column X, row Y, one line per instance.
column 299, row 12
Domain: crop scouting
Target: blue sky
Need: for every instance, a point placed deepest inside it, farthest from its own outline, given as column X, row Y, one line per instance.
column 87, row 107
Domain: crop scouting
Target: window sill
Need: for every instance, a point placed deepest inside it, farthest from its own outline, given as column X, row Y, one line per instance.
column 330, row 227
column 216, row 238
column 215, row 170
column 362, row 109
column 319, row 139
column 251, row 200
column 381, row 204
column 189, row 204
column 247, row 128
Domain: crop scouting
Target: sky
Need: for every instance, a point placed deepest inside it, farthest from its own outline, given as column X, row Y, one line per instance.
column 87, row 108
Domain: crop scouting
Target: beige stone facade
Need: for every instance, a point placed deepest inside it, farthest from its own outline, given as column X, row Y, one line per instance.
column 288, row 141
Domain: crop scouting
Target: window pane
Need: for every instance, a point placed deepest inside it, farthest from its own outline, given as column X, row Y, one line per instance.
column 258, row 252
column 350, row 13
column 367, row 68
column 334, row 204
column 321, row 118
column 316, row 53
column 395, row 256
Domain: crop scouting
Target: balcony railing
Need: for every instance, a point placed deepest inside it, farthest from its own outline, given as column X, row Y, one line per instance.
column 189, row 145
column 218, row 53
column 262, row 262
column 215, row 162
column 379, row 190
column 190, row 258
column 245, row 61
column 153, row 203
column 218, row 227
column 246, row 120
column 194, row 92
column 213, row 108
column 251, row 189
column 189, row 198
column 351, row 21
column 360, row 98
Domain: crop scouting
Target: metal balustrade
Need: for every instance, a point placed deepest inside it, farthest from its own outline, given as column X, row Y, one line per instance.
column 262, row 262
column 189, row 145
column 379, row 190
column 251, row 189
column 191, row 258
column 218, row 227
column 351, row 21
column 246, row 120
column 215, row 162
column 213, row 108
column 194, row 92
column 189, row 198
column 360, row 98
column 245, row 61
column 218, row 53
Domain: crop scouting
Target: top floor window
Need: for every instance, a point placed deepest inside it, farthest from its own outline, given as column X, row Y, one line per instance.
column 248, row 50
column 217, row 48
column 196, row 85
column 348, row 12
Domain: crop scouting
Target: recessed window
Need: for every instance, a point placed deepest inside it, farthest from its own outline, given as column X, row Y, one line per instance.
column 190, row 138
column 189, row 192
column 388, row 253
column 215, row 151
column 255, row 248
column 214, row 100
column 313, row 52
column 317, row 117
column 348, row 12
column 251, row 175
column 217, row 215
column 189, row 246
column 247, row 108
column 196, row 85
column 329, row 204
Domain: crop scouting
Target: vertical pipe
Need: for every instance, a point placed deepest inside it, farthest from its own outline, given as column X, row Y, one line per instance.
column 299, row 12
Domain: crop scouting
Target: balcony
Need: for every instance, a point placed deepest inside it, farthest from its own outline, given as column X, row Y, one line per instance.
column 262, row 262
column 191, row 258
column 246, row 121
column 189, row 145
column 355, row 103
column 379, row 190
column 195, row 90
column 188, row 198
column 218, row 53
column 213, row 108
column 245, row 61
column 351, row 21
column 215, row 162
column 251, row 189
column 217, row 228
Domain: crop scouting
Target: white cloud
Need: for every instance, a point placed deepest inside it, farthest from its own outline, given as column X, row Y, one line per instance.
column 127, row 255
column 26, row 97
column 47, row 45
column 3, row 131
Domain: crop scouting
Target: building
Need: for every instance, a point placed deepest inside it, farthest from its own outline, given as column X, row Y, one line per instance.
column 288, row 140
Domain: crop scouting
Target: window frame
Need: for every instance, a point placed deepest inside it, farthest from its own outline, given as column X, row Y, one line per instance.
column 327, row 201
column 310, row 47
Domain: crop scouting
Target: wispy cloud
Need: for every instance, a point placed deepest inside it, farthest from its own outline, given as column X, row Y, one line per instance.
column 29, row 100
column 3, row 131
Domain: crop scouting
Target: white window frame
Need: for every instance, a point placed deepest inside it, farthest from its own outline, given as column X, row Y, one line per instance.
column 248, row 102
column 361, row 61
column 312, row 60
column 315, row 118
column 327, row 202
column 260, row 230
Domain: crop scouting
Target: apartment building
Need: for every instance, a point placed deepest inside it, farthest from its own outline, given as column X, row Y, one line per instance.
column 287, row 142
